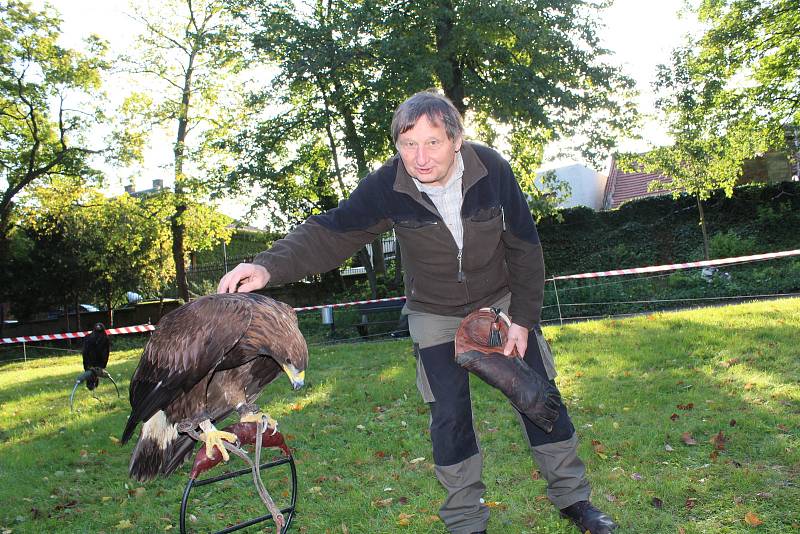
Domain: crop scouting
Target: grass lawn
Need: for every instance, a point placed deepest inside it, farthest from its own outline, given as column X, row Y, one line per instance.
column 689, row 422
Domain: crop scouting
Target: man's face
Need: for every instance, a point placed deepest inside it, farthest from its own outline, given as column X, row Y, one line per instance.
column 427, row 153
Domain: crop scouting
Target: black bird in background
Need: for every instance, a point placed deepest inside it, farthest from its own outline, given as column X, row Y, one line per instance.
column 206, row 359
column 96, row 348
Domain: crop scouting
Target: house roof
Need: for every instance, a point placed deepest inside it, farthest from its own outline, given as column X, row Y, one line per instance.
column 622, row 186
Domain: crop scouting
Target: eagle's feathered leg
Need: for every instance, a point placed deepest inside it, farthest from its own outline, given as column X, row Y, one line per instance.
column 214, row 438
column 251, row 413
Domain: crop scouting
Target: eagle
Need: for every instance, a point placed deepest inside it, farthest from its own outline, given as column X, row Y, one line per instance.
column 206, row 359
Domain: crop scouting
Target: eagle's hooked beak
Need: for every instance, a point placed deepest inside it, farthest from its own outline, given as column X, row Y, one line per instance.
column 296, row 377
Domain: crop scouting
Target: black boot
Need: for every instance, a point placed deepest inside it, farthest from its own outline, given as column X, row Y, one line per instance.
column 588, row 518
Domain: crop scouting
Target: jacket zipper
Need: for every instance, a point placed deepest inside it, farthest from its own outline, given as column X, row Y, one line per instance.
column 503, row 215
column 460, row 271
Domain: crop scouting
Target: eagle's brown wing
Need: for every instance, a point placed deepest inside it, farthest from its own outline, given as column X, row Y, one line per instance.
column 187, row 345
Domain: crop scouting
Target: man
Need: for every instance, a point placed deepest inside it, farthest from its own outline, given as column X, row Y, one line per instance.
column 468, row 241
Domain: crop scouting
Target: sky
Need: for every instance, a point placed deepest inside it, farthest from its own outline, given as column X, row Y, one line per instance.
column 640, row 33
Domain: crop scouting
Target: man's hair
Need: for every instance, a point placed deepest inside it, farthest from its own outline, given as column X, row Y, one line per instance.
column 438, row 108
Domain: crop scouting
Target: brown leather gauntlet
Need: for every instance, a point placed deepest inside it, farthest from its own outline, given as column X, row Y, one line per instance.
column 479, row 350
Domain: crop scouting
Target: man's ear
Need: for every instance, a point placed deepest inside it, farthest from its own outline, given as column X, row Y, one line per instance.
column 458, row 143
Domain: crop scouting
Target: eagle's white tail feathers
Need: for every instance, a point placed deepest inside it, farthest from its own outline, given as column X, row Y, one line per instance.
column 154, row 448
column 160, row 430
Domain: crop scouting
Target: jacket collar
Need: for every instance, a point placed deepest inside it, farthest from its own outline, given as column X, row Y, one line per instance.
column 474, row 170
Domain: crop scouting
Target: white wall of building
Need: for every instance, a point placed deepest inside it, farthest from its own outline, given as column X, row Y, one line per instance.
column 587, row 185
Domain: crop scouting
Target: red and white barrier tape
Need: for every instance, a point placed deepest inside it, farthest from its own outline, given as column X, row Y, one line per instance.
column 344, row 304
column 676, row 266
column 75, row 335
column 598, row 274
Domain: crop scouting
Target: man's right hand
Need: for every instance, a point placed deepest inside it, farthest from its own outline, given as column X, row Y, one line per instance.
column 245, row 277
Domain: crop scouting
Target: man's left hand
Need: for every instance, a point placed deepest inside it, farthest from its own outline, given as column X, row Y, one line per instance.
column 517, row 341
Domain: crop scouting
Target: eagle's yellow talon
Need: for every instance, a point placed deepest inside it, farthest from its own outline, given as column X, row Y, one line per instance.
column 215, row 438
column 256, row 418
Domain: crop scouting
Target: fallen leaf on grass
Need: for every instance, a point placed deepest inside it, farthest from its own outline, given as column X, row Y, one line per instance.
column 732, row 422
column 752, row 519
column 749, row 386
column 599, row 449
column 124, row 524
column 718, row 441
column 686, row 407
column 496, row 504
column 114, row 439
column 668, row 447
column 535, row 474
column 674, row 417
column 297, row 407
column 138, row 492
column 687, row 438
column 417, row 460
column 657, row 503
column 382, row 503
column 690, row 503
column 404, row 519
column 728, row 363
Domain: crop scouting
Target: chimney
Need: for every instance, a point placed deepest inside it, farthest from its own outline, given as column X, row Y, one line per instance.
column 158, row 184
column 129, row 189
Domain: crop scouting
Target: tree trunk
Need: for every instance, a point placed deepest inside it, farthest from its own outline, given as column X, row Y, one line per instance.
column 449, row 69
column 363, row 255
column 398, row 265
column 703, row 227
column 110, row 323
column 177, row 253
column 178, row 229
column 378, row 261
column 77, row 314
column 353, row 142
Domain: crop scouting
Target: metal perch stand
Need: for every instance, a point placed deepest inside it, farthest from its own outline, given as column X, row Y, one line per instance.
column 283, row 517
column 100, row 373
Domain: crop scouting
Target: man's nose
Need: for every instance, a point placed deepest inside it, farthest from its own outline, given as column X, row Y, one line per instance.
column 421, row 155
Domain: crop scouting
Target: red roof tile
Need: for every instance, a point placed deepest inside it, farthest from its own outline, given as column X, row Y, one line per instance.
column 623, row 186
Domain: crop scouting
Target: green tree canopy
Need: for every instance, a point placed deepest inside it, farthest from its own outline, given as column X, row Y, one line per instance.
column 46, row 104
column 80, row 244
column 711, row 141
column 753, row 46
column 533, row 69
